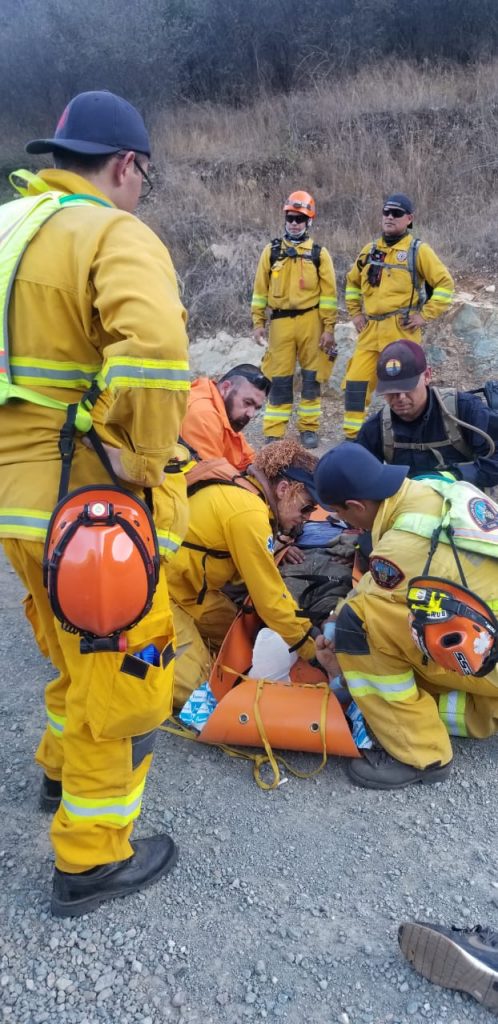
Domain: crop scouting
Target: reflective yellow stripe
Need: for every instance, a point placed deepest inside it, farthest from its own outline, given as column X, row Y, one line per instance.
column 260, row 301
column 56, row 723
column 328, row 303
column 352, row 293
column 131, row 372
column 452, row 712
column 24, row 522
column 52, row 373
column 442, row 295
column 277, row 412
column 313, row 410
column 391, row 688
column 116, row 810
column 168, row 542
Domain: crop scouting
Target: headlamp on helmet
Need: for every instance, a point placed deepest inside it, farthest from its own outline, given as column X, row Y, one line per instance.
column 101, row 564
column 452, row 626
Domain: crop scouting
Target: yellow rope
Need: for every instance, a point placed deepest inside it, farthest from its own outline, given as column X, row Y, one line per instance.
column 259, row 760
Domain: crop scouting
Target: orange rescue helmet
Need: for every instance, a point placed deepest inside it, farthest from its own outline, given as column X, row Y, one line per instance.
column 452, row 626
column 101, row 561
column 300, row 202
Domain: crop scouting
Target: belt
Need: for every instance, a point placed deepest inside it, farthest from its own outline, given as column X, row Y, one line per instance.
column 394, row 312
column 278, row 314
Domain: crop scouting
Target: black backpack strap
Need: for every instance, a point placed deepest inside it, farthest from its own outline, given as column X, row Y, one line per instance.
column 316, row 252
column 275, row 251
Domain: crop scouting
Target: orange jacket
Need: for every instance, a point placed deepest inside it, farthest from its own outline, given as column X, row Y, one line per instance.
column 206, row 427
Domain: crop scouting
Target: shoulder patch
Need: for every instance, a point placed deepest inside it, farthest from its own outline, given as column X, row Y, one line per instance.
column 385, row 573
column 401, row 255
column 484, row 514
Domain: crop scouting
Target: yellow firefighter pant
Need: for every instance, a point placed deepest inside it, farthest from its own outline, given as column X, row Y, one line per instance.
column 361, row 372
column 200, row 630
column 102, row 728
column 410, row 707
column 291, row 340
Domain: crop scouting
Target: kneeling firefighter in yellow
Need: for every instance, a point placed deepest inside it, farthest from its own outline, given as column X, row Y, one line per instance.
column 231, row 538
column 447, row 531
column 295, row 279
column 394, row 288
column 95, row 309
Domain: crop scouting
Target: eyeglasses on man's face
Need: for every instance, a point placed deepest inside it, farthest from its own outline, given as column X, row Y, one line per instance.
column 147, row 185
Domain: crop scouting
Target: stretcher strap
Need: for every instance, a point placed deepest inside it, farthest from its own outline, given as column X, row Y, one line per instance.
column 269, row 757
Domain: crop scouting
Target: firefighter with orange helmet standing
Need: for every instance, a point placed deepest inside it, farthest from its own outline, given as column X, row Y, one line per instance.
column 295, row 279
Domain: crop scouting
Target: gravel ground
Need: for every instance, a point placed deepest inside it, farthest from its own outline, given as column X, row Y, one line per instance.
column 284, row 905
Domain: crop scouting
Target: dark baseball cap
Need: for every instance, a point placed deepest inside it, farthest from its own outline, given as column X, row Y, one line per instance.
column 398, row 201
column 302, row 476
column 96, row 123
column 351, row 473
column 399, row 367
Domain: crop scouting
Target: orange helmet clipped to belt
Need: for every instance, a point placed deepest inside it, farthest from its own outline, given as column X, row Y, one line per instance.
column 300, row 202
column 101, row 562
column 452, row 626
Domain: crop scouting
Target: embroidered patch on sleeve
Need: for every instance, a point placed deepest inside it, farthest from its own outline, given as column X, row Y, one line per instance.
column 385, row 573
column 483, row 513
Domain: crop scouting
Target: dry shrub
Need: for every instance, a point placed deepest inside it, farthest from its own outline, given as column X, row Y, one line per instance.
column 428, row 131
column 222, row 173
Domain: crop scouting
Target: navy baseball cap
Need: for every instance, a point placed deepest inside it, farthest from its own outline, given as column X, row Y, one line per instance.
column 399, row 367
column 96, row 123
column 302, row 476
column 398, row 201
column 351, row 473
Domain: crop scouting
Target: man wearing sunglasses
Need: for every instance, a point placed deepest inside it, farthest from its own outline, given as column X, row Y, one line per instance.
column 295, row 279
column 393, row 289
column 219, row 411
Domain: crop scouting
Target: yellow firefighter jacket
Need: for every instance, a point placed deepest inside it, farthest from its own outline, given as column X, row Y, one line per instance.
column 95, row 291
column 395, row 289
column 295, row 283
column 398, row 555
column 236, row 523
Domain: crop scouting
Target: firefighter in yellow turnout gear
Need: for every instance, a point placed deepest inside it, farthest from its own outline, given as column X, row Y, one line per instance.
column 385, row 291
column 295, row 279
column 411, row 706
column 231, row 538
column 95, row 292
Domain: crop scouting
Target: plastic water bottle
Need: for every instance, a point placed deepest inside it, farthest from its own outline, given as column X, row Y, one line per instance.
column 150, row 654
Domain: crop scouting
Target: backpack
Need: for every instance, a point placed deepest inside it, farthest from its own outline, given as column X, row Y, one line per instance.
column 323, row 578
column 276, row 253
column 447, row 399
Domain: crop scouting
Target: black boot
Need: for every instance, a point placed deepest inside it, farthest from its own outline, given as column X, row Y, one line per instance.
column 74, row 895
column 378, row 770
column 50, row 795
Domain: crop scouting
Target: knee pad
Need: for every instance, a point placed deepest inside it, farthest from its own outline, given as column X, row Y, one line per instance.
column 281, row 391
column 356, row 395
column 311, row 387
